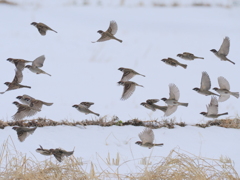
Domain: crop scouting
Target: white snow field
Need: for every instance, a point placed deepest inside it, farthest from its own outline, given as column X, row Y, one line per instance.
column 85, row 71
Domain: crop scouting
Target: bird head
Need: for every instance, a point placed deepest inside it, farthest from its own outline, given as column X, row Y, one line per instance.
column 120, row 82
column 215, row 88
column 179, row 55
column 34, row 23
column 164, row 60
column 7, row 83
column 138, row 143
column 19, row 97
column 16, row 103
column 164, row 99
column 75, row 106
column 121, row 69
column 100, row 31
column 213, row 50
column 196, row 89
column 27, row 99
column 10, row 59
column 143, row 103
column 15, row 128
column 203, row 113
column 27, row 66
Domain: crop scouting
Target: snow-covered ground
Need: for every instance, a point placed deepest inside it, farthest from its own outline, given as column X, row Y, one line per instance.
column 83, row 71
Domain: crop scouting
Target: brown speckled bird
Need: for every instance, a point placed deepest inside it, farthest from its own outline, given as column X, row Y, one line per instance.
column 128, row 73
column 24, row 132
column 60, row 154
column 23, row 111
column 45, row 152
column 42, row 28
column 188, row 56
column 150, row 104
column 19, row 63
column 84, row 108
column 174, row 63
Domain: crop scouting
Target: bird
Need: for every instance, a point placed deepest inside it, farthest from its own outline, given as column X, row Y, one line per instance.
column 45, row 152
column 173, row 62
column 205, row 85
column 147, row 137
column 224, row 90
column 188, row 56
column 150, row 104
column 224, row 50
column 42, row 28
column 172, row 101
column 128, row 73
column 83, row 107
column 212, row 109
column 23, row 111
column 19, row 63
column 109, row 33
column 32, row 102
column 24, row 132
column 129, row 88
column 15, row 84
column 36, row 64
column 60, row 154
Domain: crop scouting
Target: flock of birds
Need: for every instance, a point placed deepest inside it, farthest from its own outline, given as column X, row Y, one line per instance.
column 30, row 106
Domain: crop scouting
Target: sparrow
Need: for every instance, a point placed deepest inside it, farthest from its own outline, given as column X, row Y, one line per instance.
column 45, row 152
column 33, row 103
column 42, row 28
column 15, row 84
column 172, row 101
column 24, row 132
column 150, row 104
column 188, row 56
column 205, row 85
column 147, row 138
column 109, row 33
column 60, row 154
column 23, row 111
column 173, row 62
column 128, row 73
column 36, row 64
column 83, row 107
column 224, row 90
column 19, row 63
column 212, row 109
column 223, row 51
column 129, row 88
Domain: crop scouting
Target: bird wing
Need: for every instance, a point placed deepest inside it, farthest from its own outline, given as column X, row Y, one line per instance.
column 18, row 77
column 205, row 81
column 146, row 136
column 38, row 62
column 128, row 90
column 223, row 83
column 22, row 112
column 112, row 27
column 104, row 37
column 152, row 101
column 223, row 97
column 22, row 135
column 20, row 65
column 212, row 108
column 87, row 104
column 187, row 53
column 36, row 105
column 58, row 155
column 224, row 49
column 170, row 110
column 174, row 92
column 42, row 29
column 127, row 75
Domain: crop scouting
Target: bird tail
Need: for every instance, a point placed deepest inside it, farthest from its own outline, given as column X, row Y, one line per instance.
column 25, row 86
column 47, row 73
column 53, row 30
column 235, row 94
column 183, row 65
column 47, row 104
column 199, row 57
column 140, row 85
column 158, row 144
column 96, row 114
column 230, row 61
column 183, row 104
column 226, row 113
column 119, row 40
column 162, row 108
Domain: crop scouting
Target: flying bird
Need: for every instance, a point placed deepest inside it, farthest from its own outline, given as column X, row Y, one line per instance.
column 212, row 109
column 223, row 51
column 19, row 63
column 188, row 56
column 24, row 132
column 42, row 28
column 147, row 138
column 174, row 63
column 224, row 90
column 109, row 33
column 150, row 104
column 83, row 107
column 128, row 73
column 45, row 152
column 129, row 88
column 23, row 111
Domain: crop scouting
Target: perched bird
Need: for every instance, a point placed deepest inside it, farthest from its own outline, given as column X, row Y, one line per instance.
column 19, row 63
column 83, row 107
column 36, row 64
column 45, row 152
column 42, row 28
column 212, row 109
column 24, row 132
column 23, row 111
column 128, row 73
column 224, row 90
column 15, row 84
column 32, row 102
column 109, row 33
column 223, row 51
column 147, row 138
column 129, row 88
column 172, row 101
column 188, row 56
column 205, row 85
column 60, row 154
column 150, row 104
column 173, row 62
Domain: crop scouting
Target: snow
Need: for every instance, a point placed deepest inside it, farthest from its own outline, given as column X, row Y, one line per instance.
column 83, row 71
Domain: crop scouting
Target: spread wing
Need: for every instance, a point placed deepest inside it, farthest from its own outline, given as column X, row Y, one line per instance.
column 104, row 37
column 127, row 75
column 42, row 29
column 152, row 101
column 212, row 108
column 224, row 49
column 87, row 104
column 38, row 62
column 36, row 105
column 170, row 110
column 205, row 81
column 128, row 90
column 187, row 53
column 223, row 97
column 223, row 83
column 18, row 77
column 174, row 92
column 146, row 136
column 112, row 28
column 22, row 135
